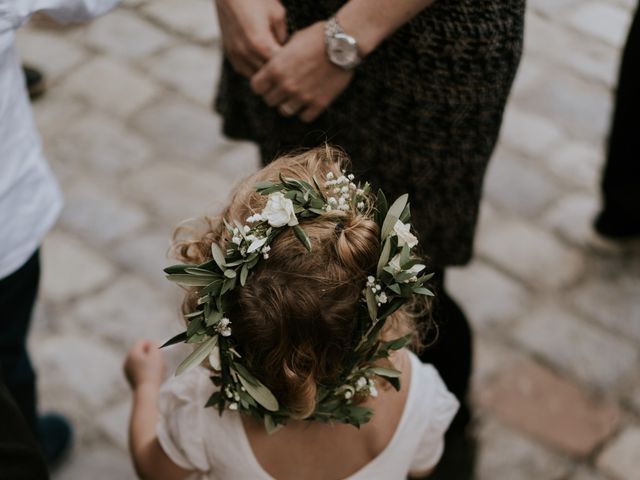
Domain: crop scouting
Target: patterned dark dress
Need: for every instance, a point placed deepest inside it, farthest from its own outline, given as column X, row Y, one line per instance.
column 421, row 115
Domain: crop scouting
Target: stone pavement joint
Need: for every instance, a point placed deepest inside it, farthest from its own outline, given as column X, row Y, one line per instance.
column 534, row 400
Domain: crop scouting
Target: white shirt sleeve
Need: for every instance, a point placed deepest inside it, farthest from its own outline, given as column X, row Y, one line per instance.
column 13, row 13
column 442, row 406
column 182, row 428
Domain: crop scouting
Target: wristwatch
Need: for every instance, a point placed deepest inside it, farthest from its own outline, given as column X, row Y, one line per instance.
column 342, row 49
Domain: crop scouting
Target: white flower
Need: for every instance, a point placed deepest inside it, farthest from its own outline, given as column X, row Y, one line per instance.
column 233, row 406
column 395, row 263
column 349, row 391
column 236, row 239
column 360, row 205
column 279, row 211
column 224, row 327
column 246, row 229
column 361, row 383
column 405, row 237
column 417, row 268
column 214, row 359
column 371, row 280
column 332, row 201
column 330, row 175
column 350, row 176
column 228, row 392
column 382, row 298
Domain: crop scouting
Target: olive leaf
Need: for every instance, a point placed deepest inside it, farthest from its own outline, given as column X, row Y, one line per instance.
column 179, row 268
column 381, row 207
column 302, row 236
column 218, row 256
column 214, row 399
column 197, row 356
column 270, row 425
column 244, row 272
column 191, row 280
column 423, row 291
column 393, row 215
column 256, row 389
column 263, row 185
column 372, row 305
column 385, row 372
column 179, row 338
column 214, row 317
column 384, row 257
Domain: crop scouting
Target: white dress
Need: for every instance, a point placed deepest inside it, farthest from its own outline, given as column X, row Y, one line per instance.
column 216, row 447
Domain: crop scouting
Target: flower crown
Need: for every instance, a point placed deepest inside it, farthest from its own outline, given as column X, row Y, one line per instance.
column 398, row 277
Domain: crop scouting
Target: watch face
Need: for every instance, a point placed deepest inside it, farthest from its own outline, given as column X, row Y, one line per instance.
column 343, row 50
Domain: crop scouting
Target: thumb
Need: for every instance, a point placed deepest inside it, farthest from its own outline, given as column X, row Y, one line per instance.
column 279, row 29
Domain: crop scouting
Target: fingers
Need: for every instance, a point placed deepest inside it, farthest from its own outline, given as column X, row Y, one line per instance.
column 278, row 22
column 274, row 97
column 290, row 108
column 312, row 112
column 263, row 81
column 249, row 54
column 279, row 28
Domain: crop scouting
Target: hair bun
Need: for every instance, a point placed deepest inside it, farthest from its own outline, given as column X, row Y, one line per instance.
column 358, row 244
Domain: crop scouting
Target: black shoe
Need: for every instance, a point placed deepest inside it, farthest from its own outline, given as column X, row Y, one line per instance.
column 54, row 436
column 35, row 82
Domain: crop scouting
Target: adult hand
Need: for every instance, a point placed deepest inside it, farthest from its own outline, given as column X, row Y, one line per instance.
column 299, row 78
column 252, row 31
column 144, row 364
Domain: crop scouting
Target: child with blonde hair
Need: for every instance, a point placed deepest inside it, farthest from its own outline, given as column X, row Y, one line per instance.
column 300, row 300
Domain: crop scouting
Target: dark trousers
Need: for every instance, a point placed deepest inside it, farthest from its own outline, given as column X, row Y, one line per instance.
column 451, row 350
column 17, row 297
column 20, row 456
column 621, row 179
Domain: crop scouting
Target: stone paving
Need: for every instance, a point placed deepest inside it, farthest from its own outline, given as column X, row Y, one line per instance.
column 128, row 130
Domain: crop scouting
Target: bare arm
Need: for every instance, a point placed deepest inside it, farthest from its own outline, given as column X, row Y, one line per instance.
column 300, row 79
column 371, row 21
column 144, row 369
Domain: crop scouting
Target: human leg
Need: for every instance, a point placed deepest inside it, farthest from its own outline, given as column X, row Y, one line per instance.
column 17, row 296
column 449, row 346
column 451, row 353
column 620, row 215
column 20, row 456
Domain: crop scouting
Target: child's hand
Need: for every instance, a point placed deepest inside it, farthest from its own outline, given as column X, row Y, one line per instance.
column 144, row 364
